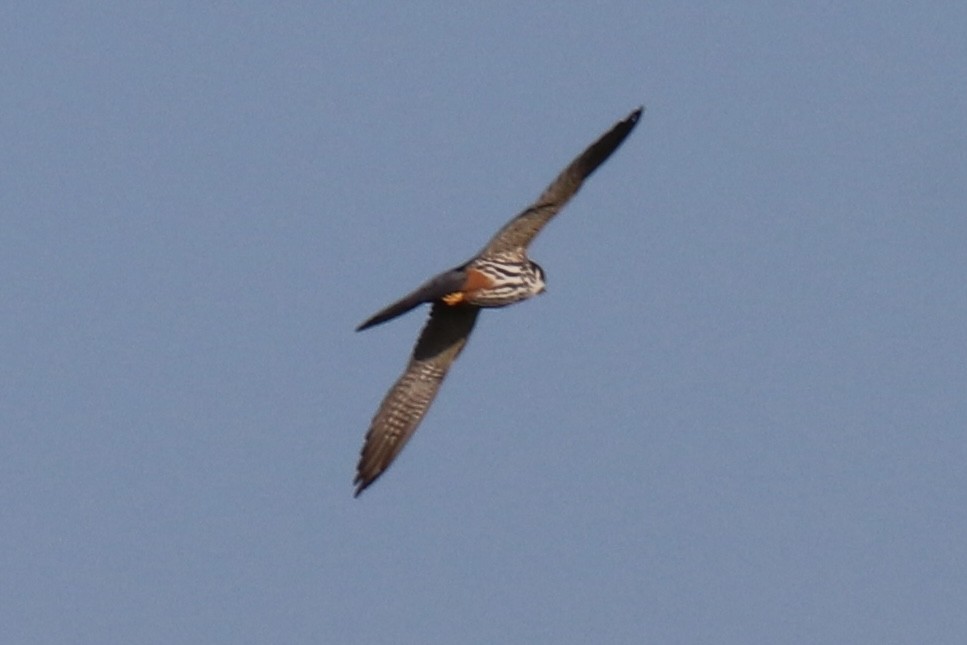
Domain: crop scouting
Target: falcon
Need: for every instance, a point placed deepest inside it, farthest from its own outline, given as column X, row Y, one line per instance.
column 500, row 274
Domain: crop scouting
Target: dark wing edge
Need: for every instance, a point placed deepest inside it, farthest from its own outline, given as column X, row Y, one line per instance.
column 406, row 403
column 521, row 230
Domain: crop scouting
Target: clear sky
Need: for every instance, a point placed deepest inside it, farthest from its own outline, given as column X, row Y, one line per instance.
column 738, row 415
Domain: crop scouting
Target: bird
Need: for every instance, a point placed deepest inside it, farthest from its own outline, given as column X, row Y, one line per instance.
column 500, row 274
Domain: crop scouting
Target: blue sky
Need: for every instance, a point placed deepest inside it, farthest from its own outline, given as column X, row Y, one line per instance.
column 738, row 414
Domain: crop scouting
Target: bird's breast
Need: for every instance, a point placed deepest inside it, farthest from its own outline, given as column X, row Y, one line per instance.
column 496, row 283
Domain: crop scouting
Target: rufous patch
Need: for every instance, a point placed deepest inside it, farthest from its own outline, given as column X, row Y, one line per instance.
column 476, row 280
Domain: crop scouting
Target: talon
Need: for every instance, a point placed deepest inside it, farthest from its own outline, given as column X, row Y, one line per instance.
column 454, row 298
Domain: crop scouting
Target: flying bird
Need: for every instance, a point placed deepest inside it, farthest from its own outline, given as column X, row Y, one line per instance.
column 500, row 274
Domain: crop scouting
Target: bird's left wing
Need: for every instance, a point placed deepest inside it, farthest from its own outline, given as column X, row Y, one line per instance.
column 407, row 402
column 519, row 232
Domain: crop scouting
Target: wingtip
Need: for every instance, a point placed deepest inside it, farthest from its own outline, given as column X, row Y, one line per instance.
column 360, row 486
column 623, row 128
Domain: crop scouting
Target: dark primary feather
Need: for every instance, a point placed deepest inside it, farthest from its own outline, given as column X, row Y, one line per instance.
column 405, row 405
column 521, row 231
column 430, row 291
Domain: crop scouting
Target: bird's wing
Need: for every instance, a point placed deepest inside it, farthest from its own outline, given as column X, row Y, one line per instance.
column 519, row 232
column 405, row 405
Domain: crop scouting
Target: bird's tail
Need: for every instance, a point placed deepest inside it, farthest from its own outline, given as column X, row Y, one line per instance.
column 430, row 291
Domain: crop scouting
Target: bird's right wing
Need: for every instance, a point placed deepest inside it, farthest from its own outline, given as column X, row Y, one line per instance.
column 407, row 402
column 519, row 232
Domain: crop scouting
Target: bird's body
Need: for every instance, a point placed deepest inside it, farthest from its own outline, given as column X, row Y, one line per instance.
column 501, row 274
column 498, row 281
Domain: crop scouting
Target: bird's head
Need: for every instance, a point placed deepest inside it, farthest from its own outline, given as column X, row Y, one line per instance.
column 539, row 284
